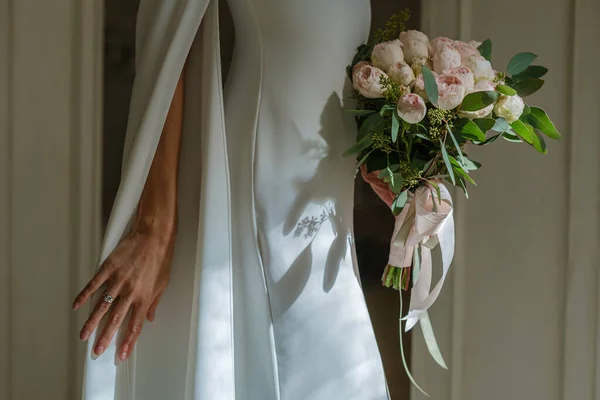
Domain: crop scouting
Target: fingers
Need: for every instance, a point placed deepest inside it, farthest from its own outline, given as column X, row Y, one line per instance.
column 152, row 311
column 136, row 323
column 93, row 320
column 96, row 283
column 116, row 316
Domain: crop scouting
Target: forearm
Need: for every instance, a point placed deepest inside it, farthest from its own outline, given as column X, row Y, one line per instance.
column 157, row 211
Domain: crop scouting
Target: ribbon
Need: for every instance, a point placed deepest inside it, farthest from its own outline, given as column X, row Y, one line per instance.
column 426, row 221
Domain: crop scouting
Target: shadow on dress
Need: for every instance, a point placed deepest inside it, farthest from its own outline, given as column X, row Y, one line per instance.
column 331, row 189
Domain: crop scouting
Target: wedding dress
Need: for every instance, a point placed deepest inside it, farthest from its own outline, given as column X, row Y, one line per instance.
column 264, row 301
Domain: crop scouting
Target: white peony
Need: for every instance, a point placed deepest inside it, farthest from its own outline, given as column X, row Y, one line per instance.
column 367, row 80
column 509, row 107
column 386, row 54
column 438, row 42
column 416, row 44
column 451, row 91
column 475, row 43
column 481, row 86
column 465, row 75
column 412, row 108
column 401, row 73
column 480, row 67
column 446, row 57
column 466, row 50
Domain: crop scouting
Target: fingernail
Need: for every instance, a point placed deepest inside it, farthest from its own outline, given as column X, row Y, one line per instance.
column 75, row 306
column 99, row 350
column 123, row 356
column 84, row 335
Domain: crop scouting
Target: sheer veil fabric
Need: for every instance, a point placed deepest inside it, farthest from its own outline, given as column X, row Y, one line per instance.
column 264, row 301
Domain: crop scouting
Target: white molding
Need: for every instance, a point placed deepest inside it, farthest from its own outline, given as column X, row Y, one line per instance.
column 581, row 340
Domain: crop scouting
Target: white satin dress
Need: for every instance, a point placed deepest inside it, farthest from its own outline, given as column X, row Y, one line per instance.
column 264, row 301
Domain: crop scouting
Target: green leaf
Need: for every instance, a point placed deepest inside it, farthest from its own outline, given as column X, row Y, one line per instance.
column 490, row 140
column 470, row 130
column 477, row 100
column 526, row 110
column 470, row 165
column 485, row 49
column 369, row 125
column 485, row 124
column 363, row 159
column 540, row 120
column 430, row 86
column 511, row 137
column 360, row 112
column 507, row 90
column 395, row 126
column 400, row 202
column 533, row 71
column 519, row 63
column 387, row 110
column 528, row 86
column 458, row 168
column 463, row 185
column 501, row 125
column 387, row 171
column 460, row 154
column 542, row 143
column 526, row 132
column 360, row 146
column 447, row 162
column 396, row 182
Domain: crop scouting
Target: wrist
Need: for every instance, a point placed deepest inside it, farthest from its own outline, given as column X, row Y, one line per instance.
column 162, row 227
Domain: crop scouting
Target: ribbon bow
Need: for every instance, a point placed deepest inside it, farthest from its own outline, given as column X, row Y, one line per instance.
column 426, row 221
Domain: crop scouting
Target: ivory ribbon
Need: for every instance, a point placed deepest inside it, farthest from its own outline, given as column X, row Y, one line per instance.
column 424, row 223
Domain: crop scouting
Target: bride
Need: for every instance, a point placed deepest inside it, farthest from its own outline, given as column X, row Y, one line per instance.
column 232, row 227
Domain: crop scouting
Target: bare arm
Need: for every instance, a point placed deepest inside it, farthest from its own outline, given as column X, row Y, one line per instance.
column 137, row 272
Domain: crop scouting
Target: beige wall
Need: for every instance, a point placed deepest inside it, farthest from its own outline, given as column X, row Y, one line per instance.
column 520, row 317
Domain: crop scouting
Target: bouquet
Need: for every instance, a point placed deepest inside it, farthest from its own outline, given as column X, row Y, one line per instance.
column 421, row 105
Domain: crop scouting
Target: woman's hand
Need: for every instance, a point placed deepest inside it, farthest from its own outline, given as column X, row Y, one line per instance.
column 135, row 274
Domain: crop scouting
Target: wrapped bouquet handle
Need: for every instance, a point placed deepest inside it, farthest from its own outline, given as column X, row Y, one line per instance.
column 426, row 221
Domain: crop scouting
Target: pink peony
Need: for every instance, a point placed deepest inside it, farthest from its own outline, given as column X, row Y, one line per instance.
column 411, row 108
column 367, row 80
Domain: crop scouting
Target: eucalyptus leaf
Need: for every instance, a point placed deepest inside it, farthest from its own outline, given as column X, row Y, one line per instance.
column 540, row 120
column 484, row 124
column 477, row 100
column 400, row 202
column 526, row 110
column 437, row 190
column 501, row 125
column 369, row 125
column 519, row 63
column 511, row 137
column 533, row 71
column 489, row 140
column 470, row 130
column 528, row 86
column 431, row 87
column 485, row 49
column 463, row 185
column 395, row 126
column 387, row 110
column 447, row 162
column 456, row 145
column 470, row 165
column 542, row 143
column 363, row 159
column 360, row 146
column 397, row 182
column 526, row 132
column 507, row 90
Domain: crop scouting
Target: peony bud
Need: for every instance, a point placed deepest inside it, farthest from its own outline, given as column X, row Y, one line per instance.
column 367, row 80
column 412, row 108
column 401, row 73
column 509, row 107
column 386, row 54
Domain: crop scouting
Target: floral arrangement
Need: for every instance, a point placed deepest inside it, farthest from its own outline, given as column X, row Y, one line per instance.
column 421, row 104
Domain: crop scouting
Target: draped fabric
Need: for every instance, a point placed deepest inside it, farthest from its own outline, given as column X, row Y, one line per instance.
column 264, row 301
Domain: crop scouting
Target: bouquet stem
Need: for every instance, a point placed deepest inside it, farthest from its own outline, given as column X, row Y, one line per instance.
column 396, row 278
